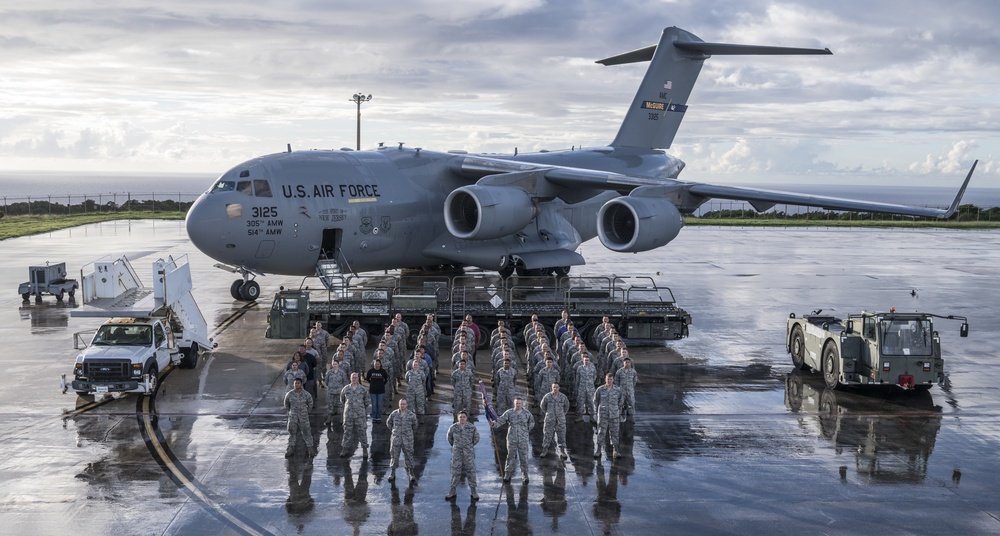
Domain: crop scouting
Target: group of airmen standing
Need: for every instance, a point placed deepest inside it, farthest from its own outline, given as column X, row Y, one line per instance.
column 569, row 368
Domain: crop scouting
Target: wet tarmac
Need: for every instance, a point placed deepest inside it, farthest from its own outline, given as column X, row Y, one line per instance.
column 727, row 440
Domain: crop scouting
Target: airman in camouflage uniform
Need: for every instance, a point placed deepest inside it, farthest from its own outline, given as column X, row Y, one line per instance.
column 415, row 388
column 292, row 373
column 298, row 403
column 546, row 376
column 626, row 378
column 506, row 380
column 357, row 411
column 336, row 379
column 520, row 423
column 461, row 380
column 586, row 374
column 554, row 405
column 463, row 436
column 402, row 423
column 608, row 399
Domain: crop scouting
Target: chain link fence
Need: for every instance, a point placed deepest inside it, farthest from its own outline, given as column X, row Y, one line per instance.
column 96, row 203
column 740, row 210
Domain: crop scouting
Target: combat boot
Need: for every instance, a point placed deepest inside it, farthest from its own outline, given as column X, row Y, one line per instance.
column 364, row 453
column 597, row 453
column 413, row 479
column 617, row 454
column 392, row 475
column 451, row 495
column 473, row 495
column 524, row 477
column 564, row 455
column 288, row 454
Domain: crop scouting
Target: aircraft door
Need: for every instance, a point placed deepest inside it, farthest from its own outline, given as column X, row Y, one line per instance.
column 330, row 248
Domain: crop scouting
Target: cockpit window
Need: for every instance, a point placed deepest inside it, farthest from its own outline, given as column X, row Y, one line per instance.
column 244, row 187
column 224, row 186
column 262, row 188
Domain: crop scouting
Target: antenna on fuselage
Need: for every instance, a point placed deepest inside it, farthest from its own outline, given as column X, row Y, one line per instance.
column 289, row 147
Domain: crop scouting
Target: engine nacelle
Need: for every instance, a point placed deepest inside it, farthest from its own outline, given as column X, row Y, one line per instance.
column 631, row 224
column 485, row 212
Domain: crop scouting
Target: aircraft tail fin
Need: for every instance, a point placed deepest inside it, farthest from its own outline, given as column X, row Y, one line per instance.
column 659, row 105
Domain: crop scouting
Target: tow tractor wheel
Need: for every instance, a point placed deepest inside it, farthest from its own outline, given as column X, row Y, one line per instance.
column 250, row 291
column 798, row 348
column 234, row 289
column 831, row 366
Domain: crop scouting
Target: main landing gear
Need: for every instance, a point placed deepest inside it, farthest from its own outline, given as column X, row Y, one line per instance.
column 245, row 289
column 511, row 264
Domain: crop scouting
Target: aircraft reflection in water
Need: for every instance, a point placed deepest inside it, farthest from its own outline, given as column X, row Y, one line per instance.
column 892, row 438
column 332, row 212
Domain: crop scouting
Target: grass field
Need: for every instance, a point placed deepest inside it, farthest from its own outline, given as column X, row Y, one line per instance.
column 15, row 226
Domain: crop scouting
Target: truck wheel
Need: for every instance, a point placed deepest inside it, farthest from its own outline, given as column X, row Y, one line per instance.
column 60, row 295
column 154, row 374
column 26, row 296
column 190, row 359
column 798, row 349
column 72, row 292
column 831, row 366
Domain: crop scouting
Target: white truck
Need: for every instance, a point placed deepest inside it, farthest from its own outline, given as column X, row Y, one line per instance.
column 890, row 348
column 150, row 329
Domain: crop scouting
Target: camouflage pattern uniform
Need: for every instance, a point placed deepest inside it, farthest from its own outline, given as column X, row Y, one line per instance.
column 298, row 404
column 546, row 377
column 506, row 379
column 335, row 382
column 357, row 411
column 521, row 422
column 402, row 425
column 554, row 406
column 415, row 391
column 585, row 377
column 462, row 380
column 626, row 379
column 290, row 376
column 463, row 440
column 608, row 401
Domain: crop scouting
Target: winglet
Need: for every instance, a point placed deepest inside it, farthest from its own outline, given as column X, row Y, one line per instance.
column 958, row 198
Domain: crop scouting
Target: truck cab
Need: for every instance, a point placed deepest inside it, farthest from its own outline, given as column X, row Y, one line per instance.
column 125, row 355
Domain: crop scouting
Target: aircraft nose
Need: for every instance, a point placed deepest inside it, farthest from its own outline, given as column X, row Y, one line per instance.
column 203, row 224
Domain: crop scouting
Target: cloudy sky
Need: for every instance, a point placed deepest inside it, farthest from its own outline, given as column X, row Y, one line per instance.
column 911, row 94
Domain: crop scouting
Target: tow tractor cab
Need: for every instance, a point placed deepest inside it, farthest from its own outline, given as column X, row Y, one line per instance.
column 870, row 348
column 150, row 329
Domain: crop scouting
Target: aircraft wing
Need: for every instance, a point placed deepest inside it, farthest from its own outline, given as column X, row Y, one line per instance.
column 764, row 199
column 688, row 196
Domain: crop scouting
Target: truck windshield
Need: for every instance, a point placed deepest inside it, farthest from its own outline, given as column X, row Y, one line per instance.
column 123, row 336
column 907, row 337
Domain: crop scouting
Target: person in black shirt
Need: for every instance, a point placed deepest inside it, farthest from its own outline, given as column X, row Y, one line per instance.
column 376, row 378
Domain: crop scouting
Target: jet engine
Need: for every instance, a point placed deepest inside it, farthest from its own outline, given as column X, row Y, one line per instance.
column 486, row 212
column 632, row 224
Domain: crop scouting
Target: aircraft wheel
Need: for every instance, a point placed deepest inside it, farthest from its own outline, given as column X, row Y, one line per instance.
column 561, row 271
column 234, row 289
column 506, row 268
column 831, row 366
column 522, row 271
column 250, row 291
column 798, row 349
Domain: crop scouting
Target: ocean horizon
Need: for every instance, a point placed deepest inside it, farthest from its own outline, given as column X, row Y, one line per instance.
column 18, row 186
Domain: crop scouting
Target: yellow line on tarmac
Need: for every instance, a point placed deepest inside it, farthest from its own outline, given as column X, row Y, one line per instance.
column 182, row 478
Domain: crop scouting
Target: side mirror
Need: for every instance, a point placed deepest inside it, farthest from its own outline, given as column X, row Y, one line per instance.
column 964, row 330
column 850, row 327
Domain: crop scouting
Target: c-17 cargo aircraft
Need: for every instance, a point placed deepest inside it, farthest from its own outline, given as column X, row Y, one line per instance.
column 313, row 212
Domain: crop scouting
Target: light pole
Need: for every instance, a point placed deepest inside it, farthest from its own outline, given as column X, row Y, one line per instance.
column 359, row 98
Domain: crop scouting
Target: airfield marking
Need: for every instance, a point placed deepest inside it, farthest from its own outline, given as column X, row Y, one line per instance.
column 156, row 443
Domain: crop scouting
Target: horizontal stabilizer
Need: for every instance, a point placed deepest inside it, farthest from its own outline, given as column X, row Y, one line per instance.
column 729, row 49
